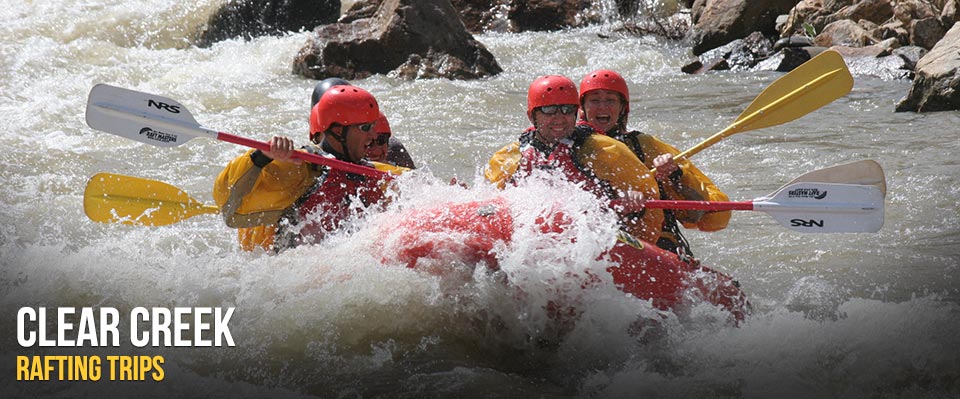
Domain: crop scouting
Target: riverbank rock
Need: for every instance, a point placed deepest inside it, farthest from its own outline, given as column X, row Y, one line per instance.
column 738, row 55
column 878, row 27
column 408, row 39
column 253, row 18
column 936, row 86
column 477, row 15
column 544, row 15
column 722, row 21
column 522, row 15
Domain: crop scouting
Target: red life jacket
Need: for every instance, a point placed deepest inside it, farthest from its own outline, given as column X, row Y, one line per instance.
column 335, row 197
column 562, row 158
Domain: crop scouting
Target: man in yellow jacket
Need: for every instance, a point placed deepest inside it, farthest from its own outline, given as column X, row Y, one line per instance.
column 278, row 202
column 604, row 101
column 602, row 165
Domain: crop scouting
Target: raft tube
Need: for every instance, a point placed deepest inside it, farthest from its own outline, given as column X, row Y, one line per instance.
column 471, row 231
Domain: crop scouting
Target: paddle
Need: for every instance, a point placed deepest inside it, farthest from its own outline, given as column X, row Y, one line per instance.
column 812, row 85
column 160, row 121
column 809, row 207
column 111, row 198
column 841, row 198
column 865, row 171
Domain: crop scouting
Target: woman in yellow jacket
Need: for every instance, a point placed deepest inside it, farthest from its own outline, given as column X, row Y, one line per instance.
column 278, row 202
column 603, row 166
column 604, row 98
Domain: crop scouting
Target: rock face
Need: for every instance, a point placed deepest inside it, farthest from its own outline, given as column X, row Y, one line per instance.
column 409, row 39
column 722, row 21
column 544, row 15
column 477, row 15
column 936, row 86
column 253, row 18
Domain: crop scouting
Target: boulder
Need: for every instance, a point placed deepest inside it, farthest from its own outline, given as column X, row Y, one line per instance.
column 843, row 33
column 725, row 20
column 544, row 15
column 792, row 57
column 876, row 11
column 415, row 38
column 253, row 18
column 361, row 9
column 909, row 10
column 926, row 32
column 936, row 86
column 892, row 30
column 477, row 15
column 738, row 55
column 950, row 13
column 814, row 12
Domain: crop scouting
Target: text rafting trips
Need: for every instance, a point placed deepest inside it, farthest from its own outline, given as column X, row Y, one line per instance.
column 101, row 327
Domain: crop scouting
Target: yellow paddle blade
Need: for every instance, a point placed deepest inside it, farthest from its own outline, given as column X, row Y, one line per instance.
column 812, row 85
column 112, row 198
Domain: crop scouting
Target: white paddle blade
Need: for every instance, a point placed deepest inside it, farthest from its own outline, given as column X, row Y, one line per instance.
column 813, row 207
column 866, row 171
column 143, row 117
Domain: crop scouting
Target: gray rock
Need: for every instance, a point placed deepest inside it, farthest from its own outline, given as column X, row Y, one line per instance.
column 725, row 20
column 936, row 86
column 254, row 18
column 409, row 38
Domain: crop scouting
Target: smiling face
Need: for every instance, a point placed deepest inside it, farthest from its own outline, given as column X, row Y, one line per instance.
column 556, row 123
column 602, row 109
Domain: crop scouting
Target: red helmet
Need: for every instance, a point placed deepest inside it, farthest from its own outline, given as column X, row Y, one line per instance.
column 343, row 105
column 382, row 126
column 551, row 90
column 314, row 121
column 605, row 79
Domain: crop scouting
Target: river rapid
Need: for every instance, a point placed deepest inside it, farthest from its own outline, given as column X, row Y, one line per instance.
column 835, row 315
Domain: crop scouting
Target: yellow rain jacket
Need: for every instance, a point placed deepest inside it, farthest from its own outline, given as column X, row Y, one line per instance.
column 611, row 162
column 647, row 148
column 253, row 199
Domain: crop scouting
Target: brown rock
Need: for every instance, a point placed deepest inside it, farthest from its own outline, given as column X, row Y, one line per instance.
column 894, row 30
column 725, row 20
column 936, row 86
column 360, row 10
column 910, row 10
column 843, row 33
column 426, row 35
column 814, row 12
column 876, row 11
column 862, row 52
column 477, row 15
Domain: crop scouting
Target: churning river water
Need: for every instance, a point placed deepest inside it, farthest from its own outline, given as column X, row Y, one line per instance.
column 835, row 315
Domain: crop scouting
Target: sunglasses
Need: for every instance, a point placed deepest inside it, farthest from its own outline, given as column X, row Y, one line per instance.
column 565, row 109
column 381, row 139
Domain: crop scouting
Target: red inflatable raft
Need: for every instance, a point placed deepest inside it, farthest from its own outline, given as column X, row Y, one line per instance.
column 470, row 232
